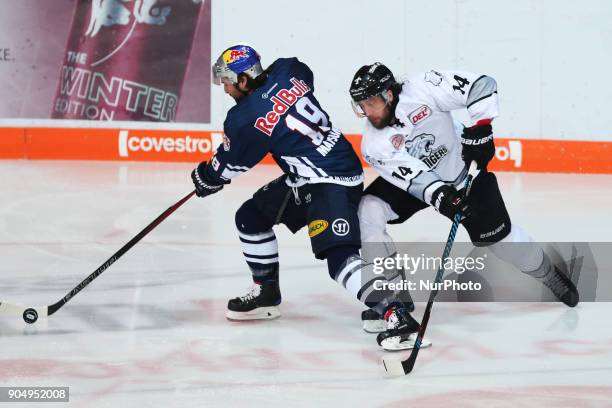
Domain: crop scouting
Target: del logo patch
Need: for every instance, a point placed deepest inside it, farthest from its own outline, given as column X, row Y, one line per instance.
column 420, row 114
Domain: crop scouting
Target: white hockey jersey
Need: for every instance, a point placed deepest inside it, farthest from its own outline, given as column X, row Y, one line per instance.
column 423, row 150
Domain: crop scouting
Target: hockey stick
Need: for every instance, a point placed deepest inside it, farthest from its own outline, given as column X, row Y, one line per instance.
column 398, row 367
column 30, row 315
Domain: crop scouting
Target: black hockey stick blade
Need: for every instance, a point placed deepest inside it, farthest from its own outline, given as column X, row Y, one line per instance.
column 398, row 368
column 31, row 314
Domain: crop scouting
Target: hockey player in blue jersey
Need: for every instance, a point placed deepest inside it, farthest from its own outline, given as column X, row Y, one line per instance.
column 276, row 112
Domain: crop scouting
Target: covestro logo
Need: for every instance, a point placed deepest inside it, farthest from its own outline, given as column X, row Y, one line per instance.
column 132, row 143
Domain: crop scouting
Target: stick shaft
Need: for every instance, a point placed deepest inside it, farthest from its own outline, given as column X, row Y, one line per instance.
column 56, row 306
column 408, row 364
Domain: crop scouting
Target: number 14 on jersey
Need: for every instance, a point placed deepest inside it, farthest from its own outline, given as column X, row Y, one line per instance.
column 403, row 172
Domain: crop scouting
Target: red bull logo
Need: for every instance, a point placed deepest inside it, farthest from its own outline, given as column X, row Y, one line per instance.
column 282, row 101
column 231, row 56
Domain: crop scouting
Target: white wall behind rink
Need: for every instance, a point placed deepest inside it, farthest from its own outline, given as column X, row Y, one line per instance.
column 551, row 59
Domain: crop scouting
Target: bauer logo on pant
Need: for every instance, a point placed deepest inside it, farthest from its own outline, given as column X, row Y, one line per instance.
column 341, row 227
column 316, row 227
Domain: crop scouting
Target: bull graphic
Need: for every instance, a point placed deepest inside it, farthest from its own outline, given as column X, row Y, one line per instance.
column 107, row 13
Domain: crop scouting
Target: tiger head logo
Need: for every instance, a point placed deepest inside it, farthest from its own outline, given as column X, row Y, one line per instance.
column 421, row 147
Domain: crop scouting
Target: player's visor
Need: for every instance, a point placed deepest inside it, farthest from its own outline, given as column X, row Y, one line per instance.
column 357, row 109
column 221, row 74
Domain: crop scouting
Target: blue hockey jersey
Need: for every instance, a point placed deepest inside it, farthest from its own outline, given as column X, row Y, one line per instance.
column 282, row 117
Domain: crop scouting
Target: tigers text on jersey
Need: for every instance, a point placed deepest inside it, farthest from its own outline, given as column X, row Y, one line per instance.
column 282, row 117
column 423, row 147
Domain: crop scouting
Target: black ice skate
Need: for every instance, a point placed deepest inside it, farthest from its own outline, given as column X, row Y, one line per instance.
column 401, row 331
column 562, row 287
column 260, row 303
column 373, row 322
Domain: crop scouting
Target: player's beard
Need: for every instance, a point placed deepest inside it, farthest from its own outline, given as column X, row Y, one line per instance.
column 243, row 94
column 385, row 120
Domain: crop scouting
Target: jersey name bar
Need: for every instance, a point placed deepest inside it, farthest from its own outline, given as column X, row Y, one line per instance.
column 282, row 100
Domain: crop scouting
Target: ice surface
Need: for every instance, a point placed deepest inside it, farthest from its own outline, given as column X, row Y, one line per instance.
column 150, row 331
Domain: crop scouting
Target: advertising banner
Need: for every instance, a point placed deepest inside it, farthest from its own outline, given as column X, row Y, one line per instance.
column 106, row 60
column 164, row 145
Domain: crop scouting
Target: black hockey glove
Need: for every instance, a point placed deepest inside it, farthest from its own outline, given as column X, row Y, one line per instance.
column 448, row 202
column 203, row 186
column 477, row 143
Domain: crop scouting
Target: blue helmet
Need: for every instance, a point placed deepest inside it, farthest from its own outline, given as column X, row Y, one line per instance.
column 235, row 60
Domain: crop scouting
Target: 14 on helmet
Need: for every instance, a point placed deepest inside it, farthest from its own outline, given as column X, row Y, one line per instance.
column 237, row 59
column 370, row 80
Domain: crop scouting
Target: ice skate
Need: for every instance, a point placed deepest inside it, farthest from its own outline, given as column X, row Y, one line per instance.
column 562, row 287
column 401, row 331
column 261, row 303
column 373, row 322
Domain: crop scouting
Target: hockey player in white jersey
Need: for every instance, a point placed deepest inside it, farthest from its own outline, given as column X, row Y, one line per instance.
column 422, row 155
